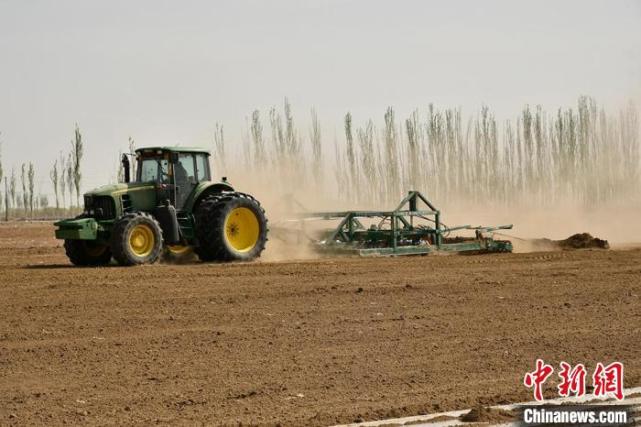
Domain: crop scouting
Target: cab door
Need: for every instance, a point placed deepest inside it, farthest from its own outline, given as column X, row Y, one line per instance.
column 185, row 178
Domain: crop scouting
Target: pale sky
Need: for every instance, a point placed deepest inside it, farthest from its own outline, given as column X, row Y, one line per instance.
column 165, row 72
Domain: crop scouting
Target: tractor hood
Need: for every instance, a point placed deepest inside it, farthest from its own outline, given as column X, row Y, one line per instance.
column 132, row 196
column 117, row 189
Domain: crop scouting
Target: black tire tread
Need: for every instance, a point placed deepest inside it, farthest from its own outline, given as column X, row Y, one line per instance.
column 209, row 222
column 77, row 254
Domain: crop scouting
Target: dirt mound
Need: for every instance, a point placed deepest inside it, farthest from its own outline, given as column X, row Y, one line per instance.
column 574, row 242
column 583, row 241
column 485, row 414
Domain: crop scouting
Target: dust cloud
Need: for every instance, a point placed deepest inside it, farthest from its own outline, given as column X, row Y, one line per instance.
column 535, row 229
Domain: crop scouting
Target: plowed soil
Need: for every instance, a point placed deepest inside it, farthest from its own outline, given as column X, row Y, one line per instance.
column 313, row 342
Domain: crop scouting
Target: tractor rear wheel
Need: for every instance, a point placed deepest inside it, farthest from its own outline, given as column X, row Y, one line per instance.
column 230, row 227
column 136, row 239
column 87, row 252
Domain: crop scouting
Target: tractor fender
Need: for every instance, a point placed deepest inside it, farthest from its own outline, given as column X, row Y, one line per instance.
column 203, row 190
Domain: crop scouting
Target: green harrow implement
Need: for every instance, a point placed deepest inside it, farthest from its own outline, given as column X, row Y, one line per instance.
column 410, row 229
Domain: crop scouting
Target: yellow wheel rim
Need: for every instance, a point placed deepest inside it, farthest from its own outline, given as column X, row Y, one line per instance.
column 142, row 240
column 178, row 249
column 242, row 229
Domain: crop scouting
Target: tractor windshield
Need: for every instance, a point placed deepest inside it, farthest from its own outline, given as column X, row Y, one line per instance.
column 153, row 168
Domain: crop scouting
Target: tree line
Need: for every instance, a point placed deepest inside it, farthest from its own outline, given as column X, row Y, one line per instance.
column 581, row 154
column 21, row 198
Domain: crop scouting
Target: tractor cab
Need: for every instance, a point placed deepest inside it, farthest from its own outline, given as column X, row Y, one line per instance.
column 175, row 172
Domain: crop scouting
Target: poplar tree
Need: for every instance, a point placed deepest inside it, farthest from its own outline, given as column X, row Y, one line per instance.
column 76, row 160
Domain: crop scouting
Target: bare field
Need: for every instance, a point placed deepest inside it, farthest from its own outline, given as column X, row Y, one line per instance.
column 314, row 342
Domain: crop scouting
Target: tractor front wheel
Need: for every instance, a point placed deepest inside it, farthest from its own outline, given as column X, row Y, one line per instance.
column 87, row 252
column 136, row 239
column 230, row 227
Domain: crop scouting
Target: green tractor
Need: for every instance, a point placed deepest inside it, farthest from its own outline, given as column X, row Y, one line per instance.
column 172, row 207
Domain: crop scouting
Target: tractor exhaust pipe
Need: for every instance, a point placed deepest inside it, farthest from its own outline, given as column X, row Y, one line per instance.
column 125, row 167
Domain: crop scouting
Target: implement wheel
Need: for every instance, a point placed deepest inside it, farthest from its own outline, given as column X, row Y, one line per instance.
column 230, row 227
column 136, row 239
column 179, row 250
column 177, row 253
column 87, row 252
